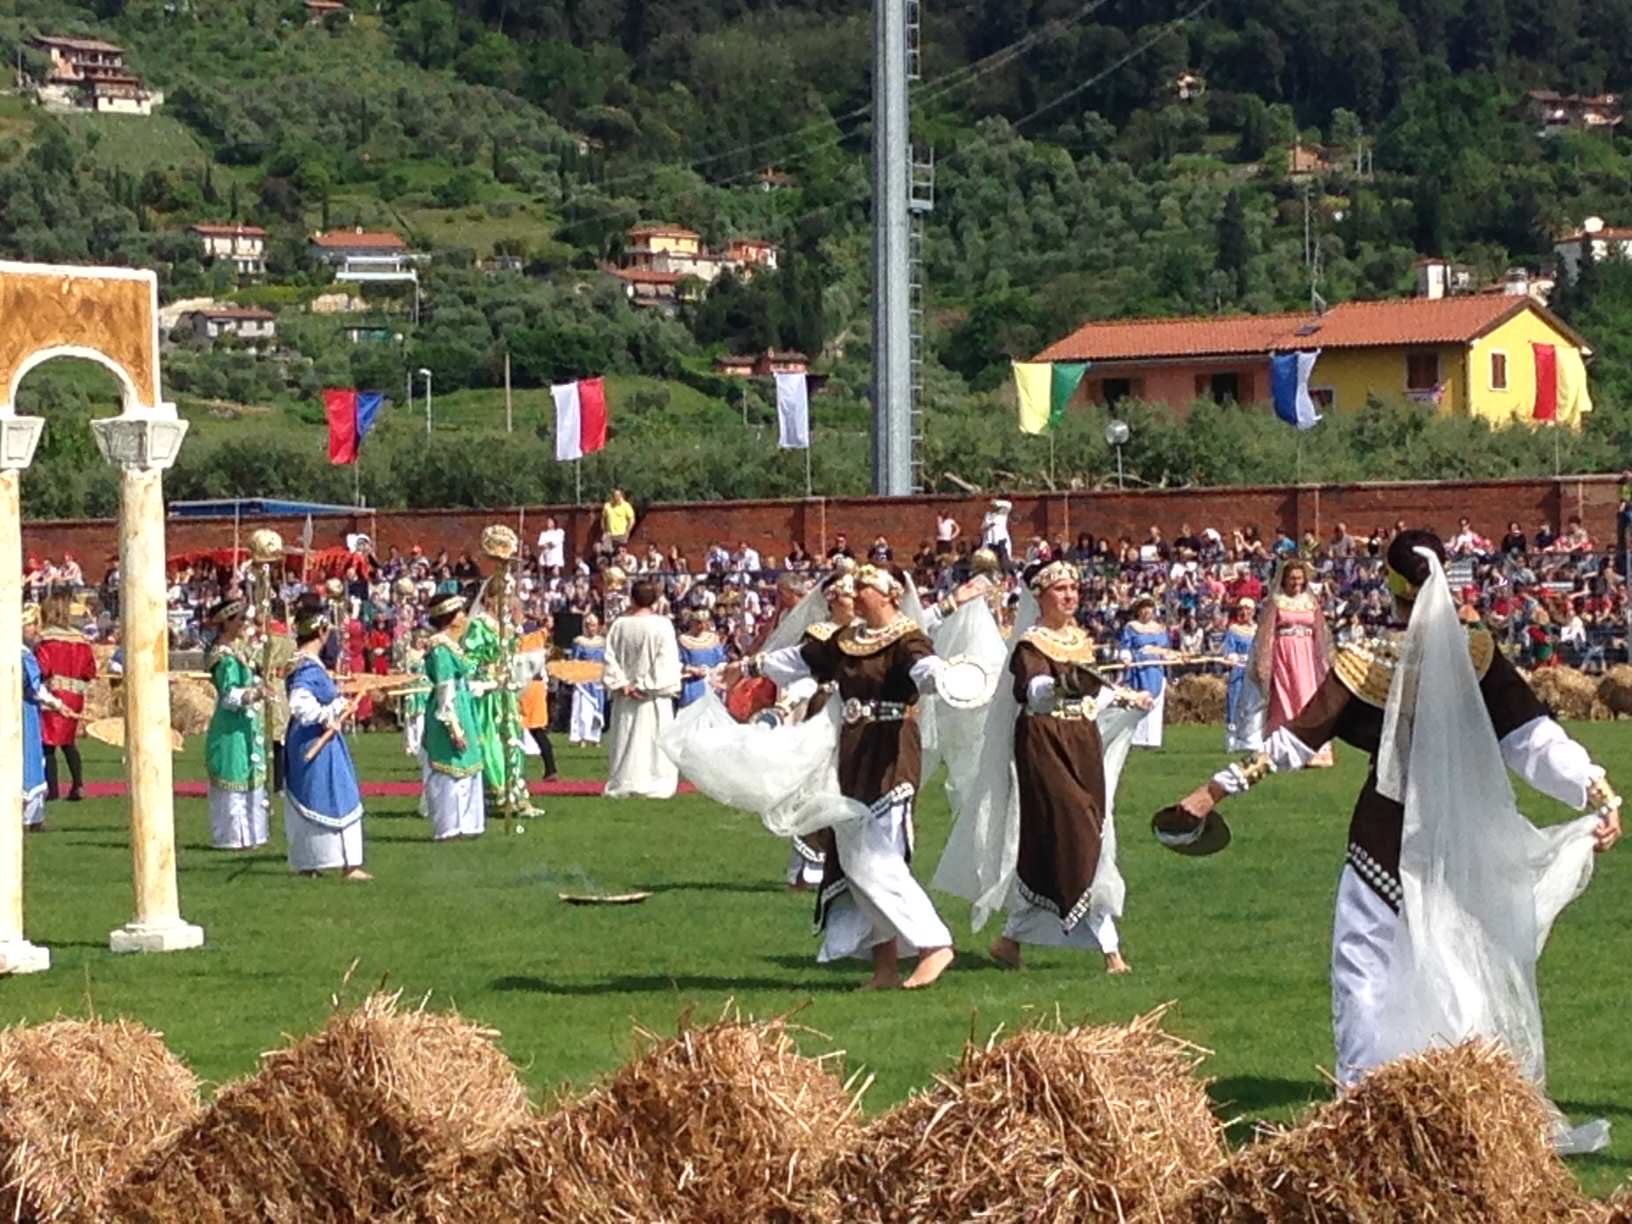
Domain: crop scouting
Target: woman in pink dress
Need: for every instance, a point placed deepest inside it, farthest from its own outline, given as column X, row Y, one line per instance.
column 1289, row 654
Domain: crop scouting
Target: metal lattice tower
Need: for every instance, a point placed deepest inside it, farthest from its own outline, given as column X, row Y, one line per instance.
column 920, row 202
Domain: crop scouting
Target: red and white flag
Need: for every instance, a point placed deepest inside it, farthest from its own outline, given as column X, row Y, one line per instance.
column 580, row 418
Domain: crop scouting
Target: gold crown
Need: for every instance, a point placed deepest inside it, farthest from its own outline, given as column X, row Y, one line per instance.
column 499, row 542
column 265, row 546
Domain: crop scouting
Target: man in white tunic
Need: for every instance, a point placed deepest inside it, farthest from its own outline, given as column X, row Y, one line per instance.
column 643, row 676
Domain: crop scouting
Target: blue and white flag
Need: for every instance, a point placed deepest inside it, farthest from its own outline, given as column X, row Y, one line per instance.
column 792, row 411
column 1289, row 381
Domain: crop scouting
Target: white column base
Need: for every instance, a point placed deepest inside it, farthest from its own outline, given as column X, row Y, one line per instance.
column 175, row 936
column 20, row 956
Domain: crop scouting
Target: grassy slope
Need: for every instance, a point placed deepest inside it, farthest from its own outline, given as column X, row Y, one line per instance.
column 1239, row 941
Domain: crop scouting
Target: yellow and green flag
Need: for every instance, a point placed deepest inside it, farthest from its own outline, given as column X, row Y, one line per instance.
column 1045, row 388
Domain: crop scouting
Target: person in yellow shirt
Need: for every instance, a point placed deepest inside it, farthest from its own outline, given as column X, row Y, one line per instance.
column 617, row 520
column 533, row 651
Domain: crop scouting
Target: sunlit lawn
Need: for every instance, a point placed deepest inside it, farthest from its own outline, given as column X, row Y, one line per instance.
column 1239, row 942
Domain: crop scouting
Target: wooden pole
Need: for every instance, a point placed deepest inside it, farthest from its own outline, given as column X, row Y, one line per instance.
column 509, row 414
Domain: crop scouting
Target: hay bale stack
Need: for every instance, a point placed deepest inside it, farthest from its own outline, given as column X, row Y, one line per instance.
column 81, row 1101
column 726, row 1121
column 1450, row 1135
column 1105, row 1123
column 362, row 1119
column 1196, row 699
column 1615, row 690
column 192, row 704
column 1568, row 693
column 103, row 700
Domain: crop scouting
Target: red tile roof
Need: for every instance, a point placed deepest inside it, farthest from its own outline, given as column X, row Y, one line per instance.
column 245, row 313
column 1133, row 339
column 644, row 276
column 667, row 231
column 214, row 230
column 1401, row 322
column 78, row 44
column 379, row 240
column 1609, row 233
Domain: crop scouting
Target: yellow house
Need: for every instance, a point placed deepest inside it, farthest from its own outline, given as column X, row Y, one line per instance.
column 664, row 240
column 1472, row 354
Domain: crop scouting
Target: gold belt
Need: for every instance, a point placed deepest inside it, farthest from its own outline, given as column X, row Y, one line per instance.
column 68, row 684
column 1076, row 709
column 856, row 710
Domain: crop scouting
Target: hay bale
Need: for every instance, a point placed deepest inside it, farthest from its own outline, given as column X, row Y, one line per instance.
column 1617, row 1209
column 727, row 1121
column 1196, row 699
column 81, row 1101
column 362, row 1119
column 1569, row 694
column 1615, row 690
column 1103, row 1123
column 192, row 704
column 1450, row 1135
column 103, row 700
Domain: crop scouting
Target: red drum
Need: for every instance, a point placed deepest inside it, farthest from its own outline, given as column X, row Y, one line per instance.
column 749, row 696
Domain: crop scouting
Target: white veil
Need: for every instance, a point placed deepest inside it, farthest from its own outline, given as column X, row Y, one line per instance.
column 1482, row 885
column 810, row 610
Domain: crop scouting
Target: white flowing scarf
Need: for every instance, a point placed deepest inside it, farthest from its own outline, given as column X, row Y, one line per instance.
column 1481, row 884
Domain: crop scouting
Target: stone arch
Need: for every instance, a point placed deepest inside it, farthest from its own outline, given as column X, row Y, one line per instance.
column 108, row 316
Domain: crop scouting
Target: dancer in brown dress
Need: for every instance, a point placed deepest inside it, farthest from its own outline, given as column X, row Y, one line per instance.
column 1059, row 769
column 869, row 902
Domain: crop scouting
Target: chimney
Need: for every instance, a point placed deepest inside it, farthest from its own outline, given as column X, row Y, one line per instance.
column 1433, row 278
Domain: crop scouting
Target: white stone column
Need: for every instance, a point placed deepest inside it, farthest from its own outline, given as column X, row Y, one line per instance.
column 142, row 449
column 18, row 437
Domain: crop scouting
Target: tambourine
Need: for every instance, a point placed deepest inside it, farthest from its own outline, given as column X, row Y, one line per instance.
column 748, row 696
column 965, row 684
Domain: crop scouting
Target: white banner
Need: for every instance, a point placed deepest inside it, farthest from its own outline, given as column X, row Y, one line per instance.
column 568, row 444
column 793, row 411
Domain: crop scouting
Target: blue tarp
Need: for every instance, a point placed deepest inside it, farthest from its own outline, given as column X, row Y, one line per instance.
column 252, row 507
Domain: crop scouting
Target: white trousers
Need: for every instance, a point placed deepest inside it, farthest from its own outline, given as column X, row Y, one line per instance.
column 413, row 735
column 1032, row 924
column 455, row 805
column 424, row 782
column 34, row 808
column 802, row 869
column 238, row 819
column 1362, row 940
column 883, row 901
column 1148, row 734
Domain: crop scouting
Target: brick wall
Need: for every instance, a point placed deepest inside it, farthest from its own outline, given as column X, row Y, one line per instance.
column 770, row 525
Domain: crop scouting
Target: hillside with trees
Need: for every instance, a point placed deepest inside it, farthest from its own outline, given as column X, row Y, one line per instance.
column 1077, row 178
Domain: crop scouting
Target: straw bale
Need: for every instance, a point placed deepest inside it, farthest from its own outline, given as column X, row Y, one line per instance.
column 102, row 700
column 81, row 1101
column 1453, row 1134
column 1615, row 690
column 1617, row 1209
column 1568, row 693
column 726, row 1121
column 192, row 703
column 1196, row 699
column 363, row 1120
column 1058, row 1124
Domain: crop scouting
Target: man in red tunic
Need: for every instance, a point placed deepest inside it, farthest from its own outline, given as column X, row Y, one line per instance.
column 68, row 667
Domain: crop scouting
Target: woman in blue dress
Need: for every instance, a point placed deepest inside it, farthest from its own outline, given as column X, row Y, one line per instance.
column 588, row 700
column 1243, row 703
column 322, row 805
column 701, row 651
column 35, row 696
column 1145, row 640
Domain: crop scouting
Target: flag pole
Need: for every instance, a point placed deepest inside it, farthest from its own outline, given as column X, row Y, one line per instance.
column 807, row 465
column 1051, row 458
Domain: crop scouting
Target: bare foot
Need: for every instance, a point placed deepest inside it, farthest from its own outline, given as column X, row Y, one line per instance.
column 1006, row 952
column 885, row 981
column 1114, row 964
column 356, row 873
column 930, row 966
column 310, row 875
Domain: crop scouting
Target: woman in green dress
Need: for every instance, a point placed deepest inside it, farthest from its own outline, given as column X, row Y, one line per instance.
column 453, row 754
column 234, row 753
column 498, row 715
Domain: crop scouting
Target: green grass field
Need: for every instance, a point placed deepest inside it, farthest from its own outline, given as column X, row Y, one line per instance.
column 1239, row 942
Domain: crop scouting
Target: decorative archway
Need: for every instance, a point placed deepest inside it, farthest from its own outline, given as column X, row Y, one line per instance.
column 110, row 316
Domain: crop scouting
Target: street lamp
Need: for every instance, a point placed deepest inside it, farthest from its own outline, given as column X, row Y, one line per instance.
column 426, row 375
column 1116, row 434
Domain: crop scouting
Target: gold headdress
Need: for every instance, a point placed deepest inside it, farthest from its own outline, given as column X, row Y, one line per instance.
column 879, row 579
column 1053, row 572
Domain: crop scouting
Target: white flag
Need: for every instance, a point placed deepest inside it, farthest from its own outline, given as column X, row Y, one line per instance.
column 568, row 444
column 793, row 411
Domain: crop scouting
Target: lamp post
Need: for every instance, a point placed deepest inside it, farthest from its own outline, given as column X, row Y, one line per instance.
column 426, row 375
column 1116, row 434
